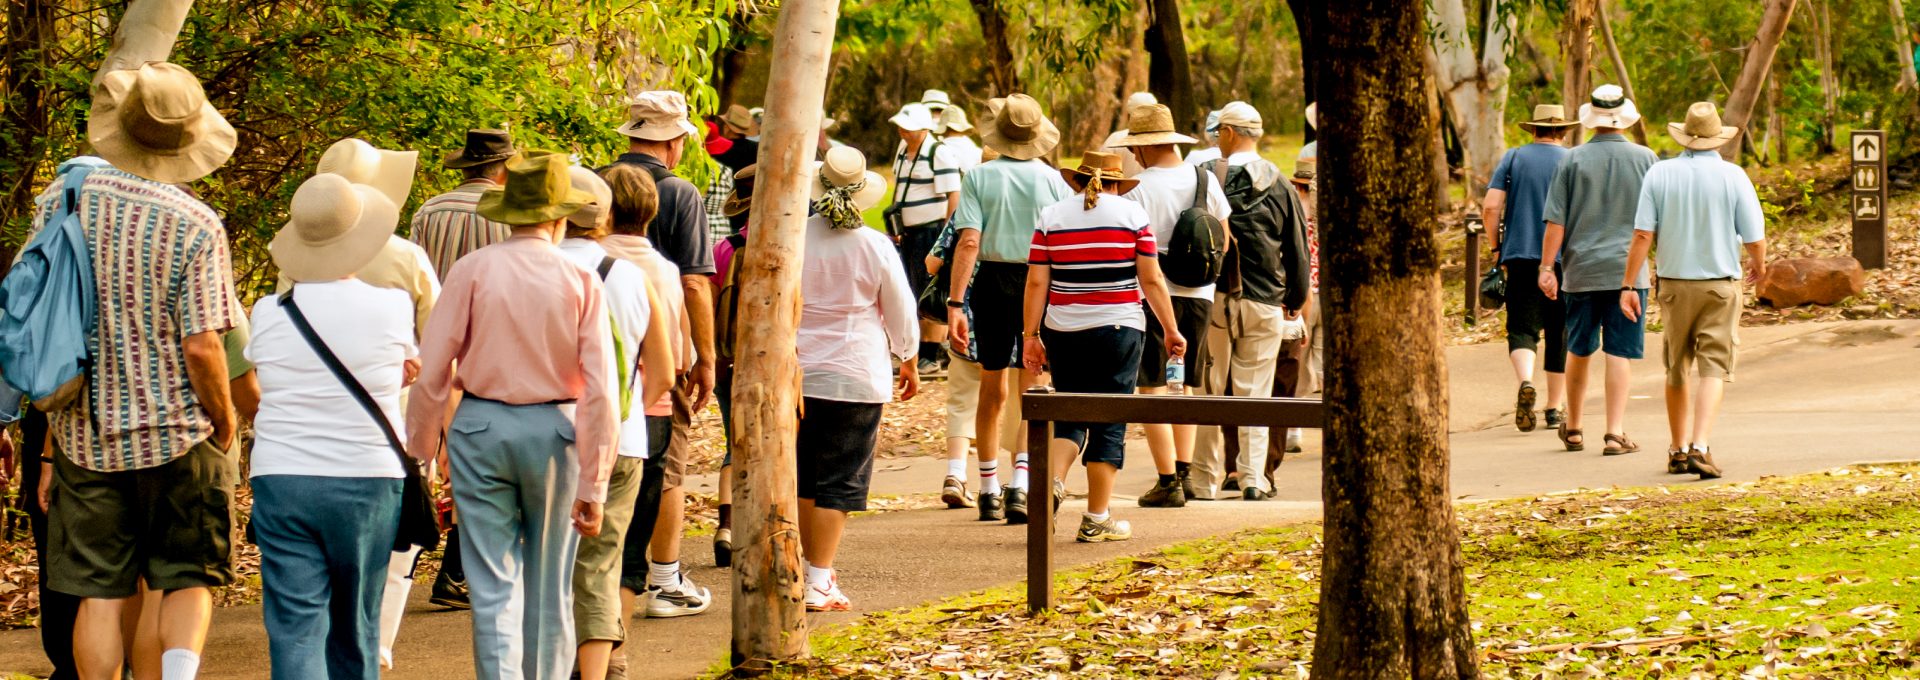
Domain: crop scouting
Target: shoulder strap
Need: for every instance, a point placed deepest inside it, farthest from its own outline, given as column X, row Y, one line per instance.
column 346, row 378
column 606, row 267
column 1200, row 188
column 1220, row 169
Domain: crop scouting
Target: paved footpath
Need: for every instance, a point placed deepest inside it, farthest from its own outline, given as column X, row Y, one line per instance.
column 1809, row 397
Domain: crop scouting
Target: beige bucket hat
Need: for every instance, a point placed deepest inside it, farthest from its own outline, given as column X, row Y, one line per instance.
column 389, row 171
column 845, row 166
column 155, row 122
column 954, row 119
column 1149, row 125
column 1548, row 116
column 1016, row 128
column 334, row 228
column 659, row 116
column 593, row 215
column 1703, row 130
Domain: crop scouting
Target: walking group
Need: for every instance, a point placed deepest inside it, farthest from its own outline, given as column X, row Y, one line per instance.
column 1574, row 230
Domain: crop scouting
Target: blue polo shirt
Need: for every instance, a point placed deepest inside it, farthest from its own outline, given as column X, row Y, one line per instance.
column 1526, row 173
column 1701, row 210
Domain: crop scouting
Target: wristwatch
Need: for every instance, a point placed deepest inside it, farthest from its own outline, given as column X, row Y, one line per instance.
column 955, row 304
column 1626, row 289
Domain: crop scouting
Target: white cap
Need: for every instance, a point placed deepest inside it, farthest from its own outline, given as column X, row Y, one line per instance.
column 1140, row 99
column 1240, row 115
column 914, row 117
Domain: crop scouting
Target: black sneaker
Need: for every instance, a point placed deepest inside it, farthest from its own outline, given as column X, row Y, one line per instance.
column 1167, row 494
column 1187, row 487
column 723, row 547
column 1232, row 483
column 450, row 593
column 1554, row 417
column 1255, row 494
column 992, row 509
column 1016, row 502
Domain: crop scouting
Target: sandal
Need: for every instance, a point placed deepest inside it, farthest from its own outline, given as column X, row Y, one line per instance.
column 1523, row 415
column 1567, row 435
column 1619, row 445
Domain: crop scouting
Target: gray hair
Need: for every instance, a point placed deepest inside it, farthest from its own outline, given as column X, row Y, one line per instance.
column 1248, row 132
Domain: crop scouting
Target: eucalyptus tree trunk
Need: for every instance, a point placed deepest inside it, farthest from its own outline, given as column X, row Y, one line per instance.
column 1904, row 41
column 1576, row 44
column 1473, row 83
column 1829, row 86
column 1639, row 129
column 1170, row 76
column 1392, row 592
column 146, row 33
column 1753, row 71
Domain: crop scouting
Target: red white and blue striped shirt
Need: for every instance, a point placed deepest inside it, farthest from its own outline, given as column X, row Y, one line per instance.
column 1093, row 255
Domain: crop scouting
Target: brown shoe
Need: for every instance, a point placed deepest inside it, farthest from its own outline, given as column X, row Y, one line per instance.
column 1702, row 462
column 953, row 492
column 1619, row 445
column 1678, row 463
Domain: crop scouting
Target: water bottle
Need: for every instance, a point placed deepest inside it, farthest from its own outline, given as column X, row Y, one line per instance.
column 1177, row 376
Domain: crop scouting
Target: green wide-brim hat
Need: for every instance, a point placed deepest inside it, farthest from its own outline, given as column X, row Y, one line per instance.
column 538, row 191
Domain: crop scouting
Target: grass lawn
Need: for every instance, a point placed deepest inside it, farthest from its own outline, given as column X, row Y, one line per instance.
column 1790, row 577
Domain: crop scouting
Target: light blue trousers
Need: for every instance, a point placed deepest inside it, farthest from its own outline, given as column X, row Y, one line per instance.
column 515, row 474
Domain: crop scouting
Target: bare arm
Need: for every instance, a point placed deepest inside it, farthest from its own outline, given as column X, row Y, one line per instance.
column 1757, row 262
column 1549, row 253
column 953, row 203
column 1493, row 209
column 656, row 351
column 700, row 316
column 965, row 254
column 207, row 370
column 1636, row 258
column 1154, row 284
column 246, row 394
column 1034, row 306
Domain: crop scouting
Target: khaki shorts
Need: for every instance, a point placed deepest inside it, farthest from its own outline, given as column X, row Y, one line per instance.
column 1702, row 318
column 596, row 566
column 679, row 446
column 171, row 524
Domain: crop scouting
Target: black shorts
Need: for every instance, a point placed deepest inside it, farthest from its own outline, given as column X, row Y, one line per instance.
column 1103, row 360
column 1190, row 316
column 171, row 524
column 998, row 299
column 835, row 453
column 1530, row 315
column 915, row 244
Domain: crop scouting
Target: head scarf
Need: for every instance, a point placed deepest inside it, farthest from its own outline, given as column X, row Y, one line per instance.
column 837, row 204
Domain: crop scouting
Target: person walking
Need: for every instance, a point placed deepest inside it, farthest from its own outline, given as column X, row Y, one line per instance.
column 1167, row 188
column 533, row 442
column 657, row 131
column 926, row 191
column 143, row 483
column 1514, row 206
column 1128, row 161
column 725, row 251
column 1259, row 303
column 963, row 392
column 447, row 226
column 856, row 317
column 1697, row 212
column 326, row 477
column 1094, row 261
column 1000, row 204
column 953, row 129
column 1590, row 211
column 1210, row 135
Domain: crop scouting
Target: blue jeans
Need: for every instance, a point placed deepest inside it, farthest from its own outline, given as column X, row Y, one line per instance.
column 324, row 547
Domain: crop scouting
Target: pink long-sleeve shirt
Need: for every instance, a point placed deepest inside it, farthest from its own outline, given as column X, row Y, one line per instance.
column 526, row 326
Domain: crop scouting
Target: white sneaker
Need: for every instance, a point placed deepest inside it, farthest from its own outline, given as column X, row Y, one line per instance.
column 683, row 599
column 826, row 597
column 1293, row 440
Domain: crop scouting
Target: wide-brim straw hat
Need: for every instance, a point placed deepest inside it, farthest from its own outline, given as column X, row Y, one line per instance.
column 1550, row 116
column 1101, row 164
column 334, row 228
column 592, row 215
column 1016, row 128
column 1609, row 108
column 361, row 163
column 1703, row 130
column 844, row 166
column 538, row 190
column 483, row 146
column 155, row 122
column 658, row 116
column 741, row 199
column 1150, row 125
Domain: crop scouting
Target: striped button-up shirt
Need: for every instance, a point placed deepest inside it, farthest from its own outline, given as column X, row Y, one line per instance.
column 449, row 226
column 161, row 273
column 922, row 182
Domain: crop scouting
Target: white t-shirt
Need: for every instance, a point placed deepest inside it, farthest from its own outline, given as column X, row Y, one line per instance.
column 921, row 184
column 626, row 287
column 1167, row 192
column 965, row 151
column 1093, row 258
column 1198, row 156
column 309, row 423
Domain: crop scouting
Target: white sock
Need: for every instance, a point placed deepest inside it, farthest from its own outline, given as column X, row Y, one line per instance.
column 663, row 575
column 179, row 664
column 819, row 577
column 1102, row 517
column 1020, row 471
column 957, row 468
column 989, row 477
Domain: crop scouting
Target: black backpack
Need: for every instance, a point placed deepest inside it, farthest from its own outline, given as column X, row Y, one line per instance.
column 1196, row 252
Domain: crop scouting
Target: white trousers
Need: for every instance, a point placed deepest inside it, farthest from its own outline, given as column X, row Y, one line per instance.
column 1243, row 339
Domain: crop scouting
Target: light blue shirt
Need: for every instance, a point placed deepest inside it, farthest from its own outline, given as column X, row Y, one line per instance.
column 1701, row 209
column 1002, row 199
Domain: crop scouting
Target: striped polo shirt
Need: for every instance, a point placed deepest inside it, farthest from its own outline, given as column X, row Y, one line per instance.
column 921, row 185
column 1093, row 256
column 449, row 226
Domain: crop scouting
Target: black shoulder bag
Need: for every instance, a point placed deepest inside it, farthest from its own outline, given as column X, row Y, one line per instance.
column 419, row 525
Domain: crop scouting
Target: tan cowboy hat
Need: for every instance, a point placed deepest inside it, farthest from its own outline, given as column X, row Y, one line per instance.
column 738, row 119
column 1015, row 127
column 845, row 166
column 1609, row 108
column 659, row 116
column 389, row 171
column 592, row 215
column 1149, row 125
column 741, row 199
column 1304, row 170
column 538, row 191
column 1548, row 116
column 334, row 228
column 1703, row 130
column 1100, row 165
column 155, row 122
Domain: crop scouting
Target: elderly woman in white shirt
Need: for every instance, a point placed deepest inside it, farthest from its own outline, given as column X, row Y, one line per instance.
column 857, row 318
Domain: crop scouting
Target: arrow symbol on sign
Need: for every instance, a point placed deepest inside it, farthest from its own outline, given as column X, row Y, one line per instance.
column 1866, row 149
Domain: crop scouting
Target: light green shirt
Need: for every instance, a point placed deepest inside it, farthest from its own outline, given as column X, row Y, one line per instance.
column 1002, row 199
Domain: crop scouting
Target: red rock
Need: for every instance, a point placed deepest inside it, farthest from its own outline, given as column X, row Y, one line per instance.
column 1815, row 280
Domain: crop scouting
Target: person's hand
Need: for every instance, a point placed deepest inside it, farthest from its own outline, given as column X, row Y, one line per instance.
column 45, row 492
column 957, row 330
column 1176, row 343
column 909, row 379
column 586, row 518
column 409, row 371
column 1549, row 284
column 223, row 437
column 1756, row 275
column 1630, row 305
column 1034, row 353
column 701, row 377
column 1289, row 314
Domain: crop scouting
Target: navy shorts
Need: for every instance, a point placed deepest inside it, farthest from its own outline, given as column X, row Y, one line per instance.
column 835, row 453
column 1103, row 360
column 915, row 244
column 997, row 301
column 1595, row 323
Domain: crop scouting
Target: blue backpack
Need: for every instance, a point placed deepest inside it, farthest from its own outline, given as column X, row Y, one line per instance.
column 48, row 308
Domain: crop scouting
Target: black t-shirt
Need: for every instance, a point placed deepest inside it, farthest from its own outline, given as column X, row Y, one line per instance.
column 745, row 152
column 680, row 230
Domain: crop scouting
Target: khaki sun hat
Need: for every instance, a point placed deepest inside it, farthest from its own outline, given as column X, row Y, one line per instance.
column 658, row 116
column 155, row 122
column 741, row 199
column 1100, row 165
column 538, row 191
column 1548, row 116
column 1609, row 108
column 1016, row 128
column 334, row 228
column 1703, row 130
column 389, row 171
column 593, row 215
column 935, row 100
column 845, row 166
column 954, row 119
column 1149, row 125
